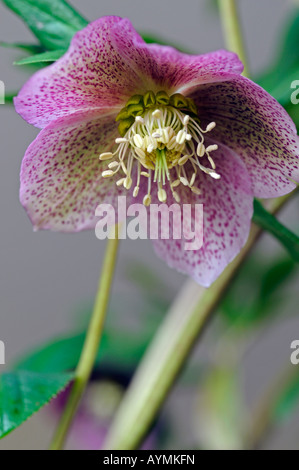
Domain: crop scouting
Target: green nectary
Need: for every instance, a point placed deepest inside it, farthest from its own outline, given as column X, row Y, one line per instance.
column 138, row 104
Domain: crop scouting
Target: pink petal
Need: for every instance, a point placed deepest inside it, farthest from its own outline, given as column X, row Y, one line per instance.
column 227, row 211
column 164, row 67
column 61, row 182
column 92, row 74
column 106, row 64
column 257, row 128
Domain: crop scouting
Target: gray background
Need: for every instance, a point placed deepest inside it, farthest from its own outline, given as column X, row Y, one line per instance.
column 45, row 276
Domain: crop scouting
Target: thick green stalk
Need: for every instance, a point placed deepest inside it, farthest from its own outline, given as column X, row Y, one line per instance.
column 91, row 344
column 232, row 30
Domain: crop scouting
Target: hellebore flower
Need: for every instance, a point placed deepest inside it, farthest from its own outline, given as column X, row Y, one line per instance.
column 176, row 128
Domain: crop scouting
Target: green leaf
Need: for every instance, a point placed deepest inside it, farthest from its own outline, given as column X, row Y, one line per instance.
column 10, row 96
column 261, row 283
column 287, row 400
column 269, row 223
column 23, row 393
column 31, row 48
column 63, row 354
column 53, row 22
column 274, row 277
column 56, row 356
column 277, row 80
column 49, row 56
column 293, row 110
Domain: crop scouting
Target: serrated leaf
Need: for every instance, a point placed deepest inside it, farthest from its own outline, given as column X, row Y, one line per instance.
column 23, row 393
column 268, row 222
column 63, row 354
column 49, row 56
column 53, row 22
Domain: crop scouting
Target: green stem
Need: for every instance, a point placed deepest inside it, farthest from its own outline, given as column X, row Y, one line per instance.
column 232, row 30
column 169, row 350
column 91, row 344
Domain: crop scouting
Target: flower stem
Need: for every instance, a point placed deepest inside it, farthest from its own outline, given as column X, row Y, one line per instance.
column 91, row 344
column 169, row 350
column 232, row 31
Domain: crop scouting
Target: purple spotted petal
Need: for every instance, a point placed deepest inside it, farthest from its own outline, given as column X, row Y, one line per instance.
column 227, row 211
column 257, row 128
column 92, row 74
column 107, row 63
column 61, row 182
column 170, row 69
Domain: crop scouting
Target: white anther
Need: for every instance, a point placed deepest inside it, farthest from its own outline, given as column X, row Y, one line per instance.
column 138, row 140
column 156, row 135
column 165, row 136
column 139, row 119
column 176, row 196
column 188, row 137
column 192, row 179
column 107, row 173
column 184, row 181
column 183, row 160
column 195, row 190
column 181, row 137
column 113, row 165
column 172, row 143
column 128, row 182
column 210, row 126
column 120, row 182
column 214, row 175
column 157, row 114
column 175, row 183
column 200, row 149
column 186, row 120
column 136, row 191
column 210, row 148
column 106, row 156
column 120, row 140
column 147, row 200
column 150, row 148
column 140, row 152
column 162, row 196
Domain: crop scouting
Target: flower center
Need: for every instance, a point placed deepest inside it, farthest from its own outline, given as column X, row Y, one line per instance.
column 158, row 134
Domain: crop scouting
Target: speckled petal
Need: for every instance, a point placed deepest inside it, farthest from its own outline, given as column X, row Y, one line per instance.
column 227, row 211
column 257, row 128
column 91, row 74
column 106, row 64
column 164, row 67
column 61, row 182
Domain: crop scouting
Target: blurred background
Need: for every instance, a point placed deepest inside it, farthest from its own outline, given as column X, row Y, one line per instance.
column 48, row 280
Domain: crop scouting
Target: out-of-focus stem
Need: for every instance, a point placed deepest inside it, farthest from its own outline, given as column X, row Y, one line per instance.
column 232, row 31
column 91, row 345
